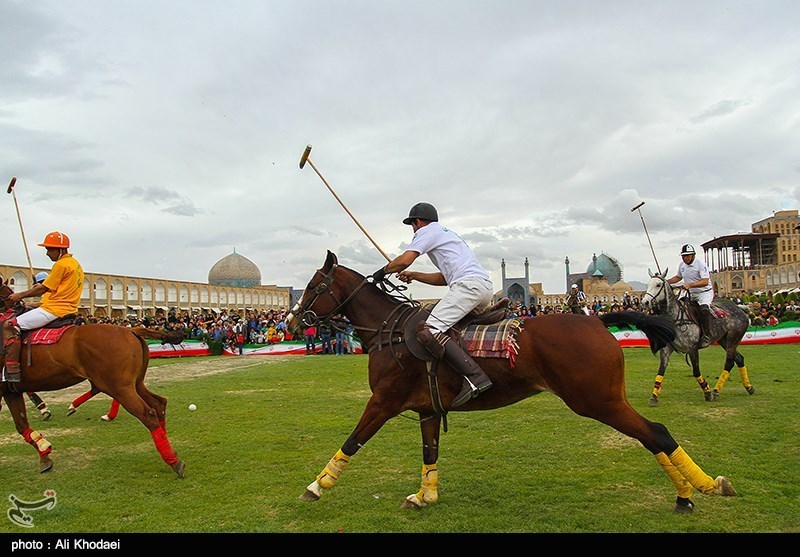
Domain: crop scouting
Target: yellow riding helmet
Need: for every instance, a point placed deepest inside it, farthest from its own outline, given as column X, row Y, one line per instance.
column 55, row 240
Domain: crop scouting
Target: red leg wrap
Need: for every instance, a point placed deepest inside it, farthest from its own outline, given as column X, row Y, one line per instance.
column 114, row 409
column 42, row 446
column 81, row 399
column 163, row 446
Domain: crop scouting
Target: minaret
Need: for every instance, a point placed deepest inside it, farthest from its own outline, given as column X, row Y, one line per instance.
column 503, row 266
column 527, row 274
column 566, row 263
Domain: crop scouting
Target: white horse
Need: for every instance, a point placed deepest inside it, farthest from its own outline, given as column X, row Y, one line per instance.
column 727, row 330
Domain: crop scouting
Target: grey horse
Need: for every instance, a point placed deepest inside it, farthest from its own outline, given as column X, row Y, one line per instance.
column 727, row 330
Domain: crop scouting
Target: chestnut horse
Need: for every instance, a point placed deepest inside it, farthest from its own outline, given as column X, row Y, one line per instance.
column 114, row 359
column 573, row 356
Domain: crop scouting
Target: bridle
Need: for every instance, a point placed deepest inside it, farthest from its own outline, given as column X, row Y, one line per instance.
column 5, row 293
column 682, row 316
column 309, row 317
column 662, row 289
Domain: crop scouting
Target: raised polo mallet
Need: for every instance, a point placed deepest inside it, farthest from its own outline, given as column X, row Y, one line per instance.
column 19, row 218
column 637, row 208
column 303, row 160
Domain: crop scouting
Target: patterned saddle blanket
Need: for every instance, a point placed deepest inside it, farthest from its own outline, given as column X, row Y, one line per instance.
column 498, row 340
column 46, row 335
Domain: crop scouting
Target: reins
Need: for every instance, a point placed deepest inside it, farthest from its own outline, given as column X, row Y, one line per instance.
column 681, row 317
column 388, row 328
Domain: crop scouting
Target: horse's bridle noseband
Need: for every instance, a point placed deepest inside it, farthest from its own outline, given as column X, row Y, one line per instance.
column 309, row 317
column 660, row 290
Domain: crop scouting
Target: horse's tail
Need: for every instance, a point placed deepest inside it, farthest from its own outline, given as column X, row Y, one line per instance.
column 166, row 337
column 660, row 330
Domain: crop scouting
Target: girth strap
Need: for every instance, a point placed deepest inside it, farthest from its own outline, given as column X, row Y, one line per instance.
column 433, row 384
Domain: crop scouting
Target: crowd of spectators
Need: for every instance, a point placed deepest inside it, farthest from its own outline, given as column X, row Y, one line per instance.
column 269, row 326
column 627, row 303
column 235, row 331
column 764, row 311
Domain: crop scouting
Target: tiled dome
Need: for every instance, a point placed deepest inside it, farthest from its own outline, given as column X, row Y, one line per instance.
column 234, row 270
column 606, row 267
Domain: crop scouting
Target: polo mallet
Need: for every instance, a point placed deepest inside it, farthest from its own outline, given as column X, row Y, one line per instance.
column 303, row 160
column 637, row 208
column 19, row 218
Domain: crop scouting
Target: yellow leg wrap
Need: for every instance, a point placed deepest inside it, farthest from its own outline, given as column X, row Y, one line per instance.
column 723, row 378
column 701, row 481
column 682, row 485
column 703, row 384
column 745, row 378
column 657, row 385
column 37, row 440
column 327, row 478
column 429, row 492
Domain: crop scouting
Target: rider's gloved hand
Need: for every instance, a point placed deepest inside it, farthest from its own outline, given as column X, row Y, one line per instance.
column 379, row 275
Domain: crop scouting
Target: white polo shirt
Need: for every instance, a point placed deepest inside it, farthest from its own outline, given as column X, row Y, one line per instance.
column 693, row 273
column 448, row 252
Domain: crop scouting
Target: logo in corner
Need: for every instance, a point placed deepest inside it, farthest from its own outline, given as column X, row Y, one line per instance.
column 18, row 513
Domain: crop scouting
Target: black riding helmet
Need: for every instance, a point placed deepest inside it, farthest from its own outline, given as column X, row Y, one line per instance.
column 424, row 211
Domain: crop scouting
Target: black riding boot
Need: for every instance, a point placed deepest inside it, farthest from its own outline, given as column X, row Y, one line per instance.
column 705, row 325
column 441, row 346
column 11, row 345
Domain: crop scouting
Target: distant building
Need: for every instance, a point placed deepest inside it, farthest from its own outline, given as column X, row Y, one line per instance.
column 601, row 282
column 764, row 260
column 234, row 285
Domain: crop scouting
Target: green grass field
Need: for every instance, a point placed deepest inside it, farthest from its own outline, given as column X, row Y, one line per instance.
column 261, row 434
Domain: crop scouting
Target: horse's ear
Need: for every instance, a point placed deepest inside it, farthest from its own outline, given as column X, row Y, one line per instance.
column 665, row 272
column 649, row 272
column 331, row 260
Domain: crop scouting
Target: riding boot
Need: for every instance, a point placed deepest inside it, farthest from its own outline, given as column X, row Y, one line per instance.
column 705, row 325
column 442, row 346
column 11, row 345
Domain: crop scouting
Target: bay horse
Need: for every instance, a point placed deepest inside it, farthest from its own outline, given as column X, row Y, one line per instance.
column 573, row 356
column 114, row 359
column 727, row 329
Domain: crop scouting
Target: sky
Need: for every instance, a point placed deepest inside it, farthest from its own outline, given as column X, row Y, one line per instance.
column 161, row 136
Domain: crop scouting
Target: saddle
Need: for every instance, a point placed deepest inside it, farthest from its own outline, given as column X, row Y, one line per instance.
column 691, row 309
column 491, row 315
column 48, row 334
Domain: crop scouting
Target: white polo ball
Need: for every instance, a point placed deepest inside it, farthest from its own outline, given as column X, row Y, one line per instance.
column 192, row 408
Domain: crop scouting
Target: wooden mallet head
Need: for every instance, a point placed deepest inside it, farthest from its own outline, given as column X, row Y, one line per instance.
column 13, row 183
column 304, row 158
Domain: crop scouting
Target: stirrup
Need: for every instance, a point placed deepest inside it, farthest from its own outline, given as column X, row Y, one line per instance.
column 469, row 392
column 11, row 376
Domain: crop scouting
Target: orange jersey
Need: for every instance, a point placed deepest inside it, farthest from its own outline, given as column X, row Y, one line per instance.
column 65, row 285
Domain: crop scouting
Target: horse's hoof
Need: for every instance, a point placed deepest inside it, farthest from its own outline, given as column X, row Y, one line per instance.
column 653, row 401
column 46, row 415
column 684, row 506
column 309, row 495
column 45, row 465
column 723, row 486
column 714, row 395
column 179, row 468
column 709, row 396
column 71, row 410
column 750, row 390
column 412, row 502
